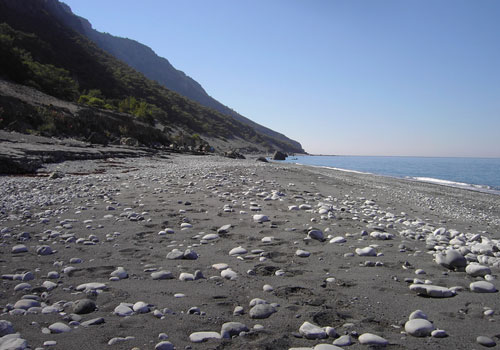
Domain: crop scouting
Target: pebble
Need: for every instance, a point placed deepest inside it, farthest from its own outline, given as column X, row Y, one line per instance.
column 482, row 287
column 164, row 345
column 116, row 340
column 432, row 291
column 418, row 314
column 83, row 306
column 123, row 310
column 451, row 259
column 6, row 328
column 372, row 340
column 311, row 331
column 119, row 273
column 343, row 340
column 316, row 234
column 261, row 311
column 260, row 218
column 91, row 286
column 200, row 337
column 13, row 342
column 59, row 327
column 419, row 327
column 338, row 240
column 44, row 250
column 19, row 248
column 327, row 347
column 238, row 251
column 229, row 274
column 162, row 275
column 141, row 307
column 486, row 341
column 230, row 329
column 367, row 251
column 302, row 253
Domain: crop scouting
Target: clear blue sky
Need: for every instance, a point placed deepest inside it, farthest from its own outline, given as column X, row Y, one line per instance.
column 374, row 77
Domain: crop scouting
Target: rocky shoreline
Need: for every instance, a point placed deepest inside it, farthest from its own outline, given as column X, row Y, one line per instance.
column 207, row 252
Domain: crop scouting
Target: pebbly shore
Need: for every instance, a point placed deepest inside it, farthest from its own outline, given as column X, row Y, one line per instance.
column 205, row 252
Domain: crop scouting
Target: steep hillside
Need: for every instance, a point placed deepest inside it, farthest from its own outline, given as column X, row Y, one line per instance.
column 146, row 61
column 38, row 50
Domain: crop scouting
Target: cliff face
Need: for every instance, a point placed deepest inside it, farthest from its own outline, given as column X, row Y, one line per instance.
column 146, row 61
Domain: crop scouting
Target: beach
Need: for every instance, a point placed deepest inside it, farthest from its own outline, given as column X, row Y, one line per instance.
column 205, row 252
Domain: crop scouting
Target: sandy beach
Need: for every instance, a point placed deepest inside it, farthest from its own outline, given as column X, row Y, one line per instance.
column 146, row 253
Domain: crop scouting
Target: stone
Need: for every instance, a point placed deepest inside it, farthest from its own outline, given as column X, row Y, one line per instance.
column 184, row 276
column 486, row 341
column 44, row 250
column 261, row 311
column 224, row 229
column 93, row 322
column 25, row 304
column 83, row 306
column 229, row 274
column 175, row 254
column 140, row 307
column 439, row 333
column 278, row 155
column 338, row 240
column 6, row 328
column 59, row 327
column 451, row 259
column 190, row 255
column 432, row 291
column 372, row 340
column 13, row 342
column 302, row 253
column 343, row 340
column 418, row 314
column 238, row 251
column 230, row 329
column 164, row 345
column 19, row 248
column 162, row 275
column 91, row 286
column 123, row 310
column 316, row 234
column 367, row 251
column 482, row 287
column 327, row 347
column 260, row 218
column 200, row 337
column 477, row 270
column 120, row 273
column 311, row 331
column 419, row 327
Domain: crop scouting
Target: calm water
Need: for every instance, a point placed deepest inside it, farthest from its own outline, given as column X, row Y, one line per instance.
column 472, row 173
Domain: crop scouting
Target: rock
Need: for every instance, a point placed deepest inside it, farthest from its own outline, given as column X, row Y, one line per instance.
column 93, row 322
column 451, row 259
column 19, row 248
column 439, row 333
column 13, row 342
column 229, row 274
column 316, row 234
column 91, row 286
column 418, row 314
column 278, row 155
column 210, row 237
column 327, row 347
column 83, row 306
column 117, row 340
column 190, row 255
column 238, row 251
column 59, row 327
column 261, row 311
column 372, row 340
column 25, row 304
column 230, row 329
column 200, row 337
column 6, row 328
column 302, row 253
column 311, row 331
column 123, row 310
column 175, row 254
column 477, row 270
column 140, row 307
column 224, row 229
column 262, row 159
column 367, row 251
column 164, row 345
column 482, row 287
column 432, row 291
column 44, row 250
column 419, row 327
column 343, row 340
column 162, row 275
column 486, row 341
column 338, row 239
column 120, row 273
column 260, row 218
column 184, row 276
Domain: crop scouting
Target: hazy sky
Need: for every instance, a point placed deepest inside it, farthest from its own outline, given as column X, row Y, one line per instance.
column 388, row 77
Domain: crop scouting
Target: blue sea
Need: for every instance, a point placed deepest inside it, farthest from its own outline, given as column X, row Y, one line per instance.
column 480, row 174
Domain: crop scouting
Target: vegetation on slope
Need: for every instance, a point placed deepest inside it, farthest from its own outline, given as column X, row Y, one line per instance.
column 39, row 51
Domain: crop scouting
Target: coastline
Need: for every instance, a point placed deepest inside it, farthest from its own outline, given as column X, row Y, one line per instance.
column 333, row 286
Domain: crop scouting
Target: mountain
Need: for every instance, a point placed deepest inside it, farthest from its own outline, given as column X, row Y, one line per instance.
column 40, row 50
column 146, row 61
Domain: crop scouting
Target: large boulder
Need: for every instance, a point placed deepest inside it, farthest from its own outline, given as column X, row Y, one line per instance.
column 278, row 155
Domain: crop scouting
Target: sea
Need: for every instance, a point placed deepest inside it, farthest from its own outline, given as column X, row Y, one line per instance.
column 478, row 174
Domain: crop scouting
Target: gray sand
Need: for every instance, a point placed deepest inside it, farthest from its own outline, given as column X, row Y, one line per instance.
column 118, row 213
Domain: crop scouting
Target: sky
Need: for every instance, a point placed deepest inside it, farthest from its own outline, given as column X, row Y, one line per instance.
column 347, row 77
